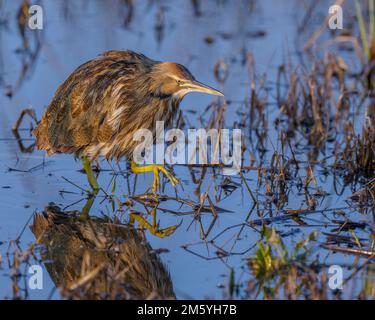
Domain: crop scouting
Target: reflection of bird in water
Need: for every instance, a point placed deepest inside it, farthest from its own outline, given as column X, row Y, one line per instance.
column 99, row 259
column 97, row 110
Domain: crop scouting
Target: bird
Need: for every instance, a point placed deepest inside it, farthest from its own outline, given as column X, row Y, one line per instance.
column 100, row 258
column 97, row 109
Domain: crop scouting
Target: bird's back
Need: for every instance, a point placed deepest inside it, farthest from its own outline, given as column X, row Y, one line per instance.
column 90, row 106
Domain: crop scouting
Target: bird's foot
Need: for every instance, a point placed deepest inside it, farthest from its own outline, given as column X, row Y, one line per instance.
column 159, row 168
column 154, row 227
column 155, row 168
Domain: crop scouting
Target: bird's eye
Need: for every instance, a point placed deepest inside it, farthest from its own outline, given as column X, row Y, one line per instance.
column 179, row 82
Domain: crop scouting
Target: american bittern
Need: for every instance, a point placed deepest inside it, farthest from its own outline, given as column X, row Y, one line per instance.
column 96, row 111
column 99, row 258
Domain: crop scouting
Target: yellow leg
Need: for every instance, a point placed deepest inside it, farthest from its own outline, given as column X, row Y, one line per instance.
column 85, row 212
column 95, row 189
column 154, row 227
column 155, row 168
column 90, row 175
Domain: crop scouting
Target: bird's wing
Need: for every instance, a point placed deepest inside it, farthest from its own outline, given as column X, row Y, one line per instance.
column 80, row 111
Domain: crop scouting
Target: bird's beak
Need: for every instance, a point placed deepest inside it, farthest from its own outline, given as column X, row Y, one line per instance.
column 200, row 87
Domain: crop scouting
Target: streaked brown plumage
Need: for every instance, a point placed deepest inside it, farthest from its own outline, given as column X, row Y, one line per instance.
column 104, row 101
column 99, row 258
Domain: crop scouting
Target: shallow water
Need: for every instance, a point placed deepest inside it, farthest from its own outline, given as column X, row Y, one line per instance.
column 76, row 31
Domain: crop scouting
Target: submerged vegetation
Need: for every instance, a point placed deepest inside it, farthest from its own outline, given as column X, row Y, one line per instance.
column 304, row 200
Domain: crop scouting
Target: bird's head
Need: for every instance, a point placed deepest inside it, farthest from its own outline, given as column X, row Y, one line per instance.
column 171, row 78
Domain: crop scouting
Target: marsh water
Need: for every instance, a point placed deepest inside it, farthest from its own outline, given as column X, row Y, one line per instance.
column 209, row 251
